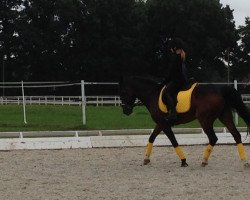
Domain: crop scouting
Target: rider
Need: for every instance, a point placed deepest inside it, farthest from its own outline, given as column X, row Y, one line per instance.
column 176, row 77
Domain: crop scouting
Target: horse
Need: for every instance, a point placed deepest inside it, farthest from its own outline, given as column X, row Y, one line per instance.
column 208, row 102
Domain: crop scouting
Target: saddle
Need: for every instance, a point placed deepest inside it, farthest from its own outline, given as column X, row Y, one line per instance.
column 183, row 99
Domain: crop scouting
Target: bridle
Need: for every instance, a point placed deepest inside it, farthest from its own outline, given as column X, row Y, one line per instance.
column 128, row 106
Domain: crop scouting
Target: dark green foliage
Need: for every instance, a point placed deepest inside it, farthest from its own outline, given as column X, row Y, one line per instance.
column 241, row 61
column 99, row 40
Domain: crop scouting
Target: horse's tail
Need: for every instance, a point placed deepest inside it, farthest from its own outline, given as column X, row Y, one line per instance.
column 234, row 100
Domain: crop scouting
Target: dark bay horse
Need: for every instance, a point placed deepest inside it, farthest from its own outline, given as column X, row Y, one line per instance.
column 208, row 102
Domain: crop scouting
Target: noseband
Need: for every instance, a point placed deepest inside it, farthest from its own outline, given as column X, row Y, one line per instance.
column 127, row 106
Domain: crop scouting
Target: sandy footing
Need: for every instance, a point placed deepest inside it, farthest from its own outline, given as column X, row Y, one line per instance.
column 118, row 173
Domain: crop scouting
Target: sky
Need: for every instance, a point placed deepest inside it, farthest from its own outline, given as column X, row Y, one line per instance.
column 241, row 10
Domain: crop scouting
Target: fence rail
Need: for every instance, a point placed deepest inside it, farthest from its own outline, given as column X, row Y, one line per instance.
column 246, row 98
column 72, row 100
column 61, row 100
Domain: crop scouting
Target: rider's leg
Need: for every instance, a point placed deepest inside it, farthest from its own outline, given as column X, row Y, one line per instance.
column 169, row 98
column 171, row 105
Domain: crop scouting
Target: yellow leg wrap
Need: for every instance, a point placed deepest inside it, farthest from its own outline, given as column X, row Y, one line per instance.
column 149, row 149
column 180, row 153
column 241, row 151
column 207, row 152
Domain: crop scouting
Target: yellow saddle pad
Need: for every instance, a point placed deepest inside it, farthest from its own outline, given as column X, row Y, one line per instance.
column 183, row 100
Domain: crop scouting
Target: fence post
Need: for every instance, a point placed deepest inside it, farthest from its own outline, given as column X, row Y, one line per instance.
column 236, row 117
column 83, row 103
column 24, row 110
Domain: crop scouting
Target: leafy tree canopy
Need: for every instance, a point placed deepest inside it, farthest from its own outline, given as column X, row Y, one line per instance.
column 99, row 40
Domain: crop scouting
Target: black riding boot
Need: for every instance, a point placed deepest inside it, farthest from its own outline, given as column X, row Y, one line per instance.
column 172, row 114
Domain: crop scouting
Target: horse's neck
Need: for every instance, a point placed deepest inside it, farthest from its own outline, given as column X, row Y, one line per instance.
column 143, row 97
column 143, row 92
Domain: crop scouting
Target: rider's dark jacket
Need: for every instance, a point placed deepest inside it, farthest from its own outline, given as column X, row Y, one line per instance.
column 177, row 70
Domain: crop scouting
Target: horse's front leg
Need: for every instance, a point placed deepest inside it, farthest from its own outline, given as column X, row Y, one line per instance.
column 208, row 129
column 151, row 140
column 169, row 133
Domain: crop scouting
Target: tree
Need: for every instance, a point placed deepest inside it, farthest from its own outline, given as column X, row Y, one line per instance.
column 99, row 40
column 206, row 26
column 241, row 60
column 73, row 40
column 9, row 41
column 43, row 37
column 115, row 41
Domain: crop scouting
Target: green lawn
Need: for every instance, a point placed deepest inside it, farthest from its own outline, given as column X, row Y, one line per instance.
column 42, row 118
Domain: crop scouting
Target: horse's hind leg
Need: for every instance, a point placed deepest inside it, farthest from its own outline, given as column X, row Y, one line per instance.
column 227, row 119
column 151, row 140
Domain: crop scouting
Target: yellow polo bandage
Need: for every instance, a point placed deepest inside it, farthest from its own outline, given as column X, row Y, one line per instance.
column 207, row 152
column 180, row 153
column 149, row 149
column 241, row 151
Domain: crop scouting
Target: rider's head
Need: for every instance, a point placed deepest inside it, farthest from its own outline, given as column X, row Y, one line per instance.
column 175, row 44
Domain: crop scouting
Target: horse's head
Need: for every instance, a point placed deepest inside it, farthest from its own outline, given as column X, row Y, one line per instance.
column 127, row 97
column 137, row 90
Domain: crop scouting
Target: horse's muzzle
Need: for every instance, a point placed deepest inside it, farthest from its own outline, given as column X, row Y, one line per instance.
column 127, row 110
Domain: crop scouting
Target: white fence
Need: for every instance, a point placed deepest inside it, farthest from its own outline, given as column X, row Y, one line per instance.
column 82, row 100
column 73, row 100
column 61, row 100
column 108, row 138
column 246, row 98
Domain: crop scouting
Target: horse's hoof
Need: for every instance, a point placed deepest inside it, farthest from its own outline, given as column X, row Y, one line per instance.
column 146, row 161
column 204, row 164
column 184, row 164
column 247, row 165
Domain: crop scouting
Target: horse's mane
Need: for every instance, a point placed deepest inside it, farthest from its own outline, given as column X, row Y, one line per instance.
column 145, row 84
column 149, row 80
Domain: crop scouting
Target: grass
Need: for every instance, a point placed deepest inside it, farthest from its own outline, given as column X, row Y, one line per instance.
column 39, row 118
column 43, row 118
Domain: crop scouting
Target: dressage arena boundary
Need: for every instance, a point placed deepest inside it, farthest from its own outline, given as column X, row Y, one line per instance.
column 108, row 138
